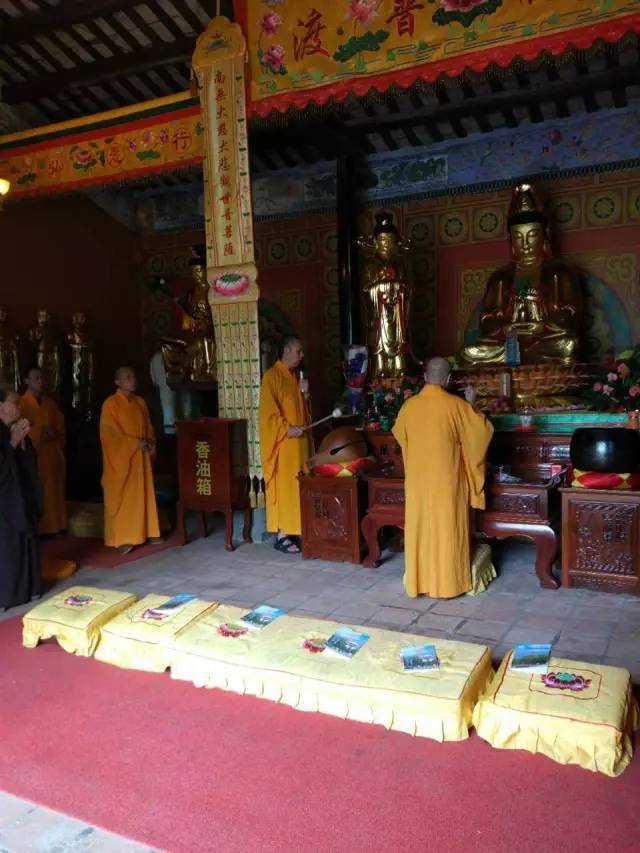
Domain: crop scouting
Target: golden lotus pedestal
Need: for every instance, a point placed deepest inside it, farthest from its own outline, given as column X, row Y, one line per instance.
column 552, row 385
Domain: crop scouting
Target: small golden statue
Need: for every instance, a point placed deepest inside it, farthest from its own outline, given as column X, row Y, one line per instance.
column 535, row 297
column 9, row 364
column 47, row 351
column 389, row 292
column 194, row 358
column 82, row 374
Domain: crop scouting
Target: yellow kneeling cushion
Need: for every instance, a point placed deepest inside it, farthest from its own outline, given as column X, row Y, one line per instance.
column 274, row 664
column 74, row 617
column 137, row 640
column 578, row 713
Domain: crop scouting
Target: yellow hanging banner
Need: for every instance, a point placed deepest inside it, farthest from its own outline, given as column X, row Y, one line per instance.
column 219, row 62
column 301, row 50
column 119, row 145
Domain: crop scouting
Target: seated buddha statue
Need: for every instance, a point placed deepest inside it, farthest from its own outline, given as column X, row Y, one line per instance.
column 535, row 297
column 193, row 357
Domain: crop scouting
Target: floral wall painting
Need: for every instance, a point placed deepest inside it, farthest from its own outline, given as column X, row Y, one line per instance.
column 301, row 51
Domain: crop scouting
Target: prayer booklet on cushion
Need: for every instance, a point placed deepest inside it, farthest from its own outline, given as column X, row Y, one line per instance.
column 419, row 658
column 345, row 642
column 531, row 657
column 171, row 605
column 261, row 617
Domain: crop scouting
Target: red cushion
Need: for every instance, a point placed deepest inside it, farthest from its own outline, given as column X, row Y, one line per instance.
column 341, row 469
column 601, row 480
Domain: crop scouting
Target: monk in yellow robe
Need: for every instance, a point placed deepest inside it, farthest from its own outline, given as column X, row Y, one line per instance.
column 284, row 446
column 128, row 446
column 47, row 435
column 444, row 444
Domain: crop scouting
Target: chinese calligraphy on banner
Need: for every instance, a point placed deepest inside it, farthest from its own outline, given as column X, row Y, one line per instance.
column 303, row 50
column 218, row 62
column 127, row 143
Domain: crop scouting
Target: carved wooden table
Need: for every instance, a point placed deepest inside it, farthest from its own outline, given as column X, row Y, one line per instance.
column 601, row 539
column 530, row 510
column 332, row 508
column 524, row 509
column 385, row 508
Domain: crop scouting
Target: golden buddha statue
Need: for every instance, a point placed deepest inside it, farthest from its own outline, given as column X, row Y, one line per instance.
column 82, row 374
column 388, row 290
column 535, row 297
column 9, row 364
column 193, row 358
column 47, row 351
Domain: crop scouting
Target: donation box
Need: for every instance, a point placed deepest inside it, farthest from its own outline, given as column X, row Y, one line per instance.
column 213, row 471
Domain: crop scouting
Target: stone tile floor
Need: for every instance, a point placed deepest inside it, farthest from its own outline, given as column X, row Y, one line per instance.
column 585, row 625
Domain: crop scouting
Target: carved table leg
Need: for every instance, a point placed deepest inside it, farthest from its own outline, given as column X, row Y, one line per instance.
column 246, row 528
column 370, row 531
column 546, row 552
column 228, row 530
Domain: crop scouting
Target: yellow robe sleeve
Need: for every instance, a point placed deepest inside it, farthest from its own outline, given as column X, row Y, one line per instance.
column 149, row 432
column 475, row 433
column 399, row 429
column 55, row 420
column 118, row 450
column 32, row 412
column 273, row 424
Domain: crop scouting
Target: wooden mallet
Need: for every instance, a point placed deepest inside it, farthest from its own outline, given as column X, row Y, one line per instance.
column 336, row 413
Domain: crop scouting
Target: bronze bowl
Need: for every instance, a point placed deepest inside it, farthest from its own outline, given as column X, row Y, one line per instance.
column 609, row 450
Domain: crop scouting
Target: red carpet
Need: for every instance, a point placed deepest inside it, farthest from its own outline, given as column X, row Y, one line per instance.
column 94, row 554
column 190, row 770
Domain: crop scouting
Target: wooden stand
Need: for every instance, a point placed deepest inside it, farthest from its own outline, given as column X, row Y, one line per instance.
column 530, row 455
column 332, row 509
column 385, row 509
column 601, row 540
column 213, row 473
column 525, row 509
column 529, row 510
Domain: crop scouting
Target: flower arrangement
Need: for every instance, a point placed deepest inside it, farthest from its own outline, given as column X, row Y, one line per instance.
column 618, row 388
column 389, row 396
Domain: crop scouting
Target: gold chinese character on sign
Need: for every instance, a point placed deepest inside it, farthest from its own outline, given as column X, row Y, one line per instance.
column 203, row 486
column 203, row 449
column 203, row 469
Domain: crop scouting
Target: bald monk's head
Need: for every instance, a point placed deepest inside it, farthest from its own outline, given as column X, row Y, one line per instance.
column 35, row 382
column 126, row 380
column 437, row 372
column 292, row 352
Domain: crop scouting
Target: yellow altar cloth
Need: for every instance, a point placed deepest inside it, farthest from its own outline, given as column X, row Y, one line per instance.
column 371, row 687
column 135, row 641
column 590, row 725
column 74, row 617
column 482, row 569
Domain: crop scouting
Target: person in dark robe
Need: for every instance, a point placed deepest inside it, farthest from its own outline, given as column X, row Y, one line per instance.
column 20, row 506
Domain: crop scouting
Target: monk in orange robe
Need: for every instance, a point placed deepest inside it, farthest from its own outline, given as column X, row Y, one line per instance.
column 444, row 444
column 128, row 445
column 47, row 435
column 284, row 446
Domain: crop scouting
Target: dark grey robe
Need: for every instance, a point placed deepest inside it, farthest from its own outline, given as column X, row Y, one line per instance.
column 20, row 507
